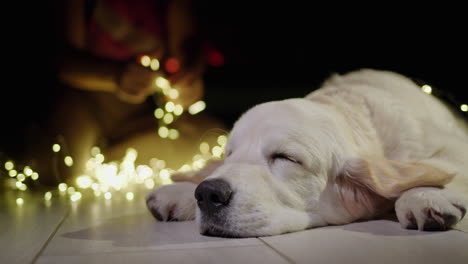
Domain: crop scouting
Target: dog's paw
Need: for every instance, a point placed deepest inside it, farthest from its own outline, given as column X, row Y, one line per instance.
column 174, row 202
column 430, row 209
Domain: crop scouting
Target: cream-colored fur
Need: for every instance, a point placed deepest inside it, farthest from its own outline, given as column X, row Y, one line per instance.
column 364, row 143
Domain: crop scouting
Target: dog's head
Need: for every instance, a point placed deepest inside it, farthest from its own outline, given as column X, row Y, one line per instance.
column 296, row 164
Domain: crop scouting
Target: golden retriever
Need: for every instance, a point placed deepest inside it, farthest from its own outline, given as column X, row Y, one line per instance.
column 364, row 143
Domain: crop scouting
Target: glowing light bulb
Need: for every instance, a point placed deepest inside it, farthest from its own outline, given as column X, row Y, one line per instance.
column 21, row 177
column 68, row 161
column 34, row 176
column 95, row 151
column 19, row 201
column 145, row 60
column 56, row 147
column 84, row 181
column 27, row 171
column 464, row 107
column 23, row 187
column 197, row 107
column 47, row 196
column 178, row 109
column 108, row 195
column 9, row 165
column 204, row 147
column 427, row 89
column 158, row 113
column 164, row 174
column 173, row 134
column 163, row 132
column 222, row 140
column 149, row 183
column 129, row 196
column 168, row 118
column 154, row 65
column 162, row 83
column 62, row 187
column 75, row 196
column 170, row 106
column 217, row 151
column 173, row 94
column 12, row 173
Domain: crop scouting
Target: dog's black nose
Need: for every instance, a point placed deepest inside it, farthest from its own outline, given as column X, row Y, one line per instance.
column 213, row 195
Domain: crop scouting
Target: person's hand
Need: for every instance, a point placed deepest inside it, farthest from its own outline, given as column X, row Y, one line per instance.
column 136, row 83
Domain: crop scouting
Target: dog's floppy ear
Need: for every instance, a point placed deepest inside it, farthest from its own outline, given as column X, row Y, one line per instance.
column 389, row 178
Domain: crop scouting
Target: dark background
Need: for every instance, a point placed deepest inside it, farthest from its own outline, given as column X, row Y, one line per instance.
column 272, row 51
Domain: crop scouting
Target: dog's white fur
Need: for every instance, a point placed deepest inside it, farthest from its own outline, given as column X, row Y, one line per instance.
column 363, row 143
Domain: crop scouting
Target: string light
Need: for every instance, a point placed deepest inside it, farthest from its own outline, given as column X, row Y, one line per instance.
column 464, row 107
column 427, row 89
column 56, row 148
column 106, row 178
column 197, row 107
column 19, row 201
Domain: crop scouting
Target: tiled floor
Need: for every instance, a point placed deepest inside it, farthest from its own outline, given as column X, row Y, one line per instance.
column 94, row 230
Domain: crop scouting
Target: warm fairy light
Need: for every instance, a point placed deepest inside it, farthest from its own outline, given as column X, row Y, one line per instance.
column 62, row 187
column 217, row 151
column 204, row 148
column 21, row 186
column 71, row 190
column 108, row 195
column 75, row 196
column 170, row 106
column 162, row 83
column 222, row 140
column 149, row 183
column 47, row 196
column 27, row 171
column 173, row 134
column 464, row 107
column 34, row 176
column 168, row 118
column 84, row 181
column 197, row 107
column 173, row 93
column 56, row 147
column 145, row 60
column 158, row 113
column 20, row 177
column 95, row 150
column 12, row 173
column 19, row 201
column 154, row 65
column 427, row 89
column 164, row 174
column 129, row 196
column 68, row 161
column 178, row 109
column 9, row 165
column 163, row 132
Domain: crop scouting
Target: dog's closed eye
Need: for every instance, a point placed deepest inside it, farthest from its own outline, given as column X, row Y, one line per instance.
column 284, row 157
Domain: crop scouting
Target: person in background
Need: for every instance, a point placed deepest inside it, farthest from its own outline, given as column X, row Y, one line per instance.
column 107, row 93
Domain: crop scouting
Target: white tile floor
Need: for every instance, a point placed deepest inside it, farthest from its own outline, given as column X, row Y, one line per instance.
column 121, row 231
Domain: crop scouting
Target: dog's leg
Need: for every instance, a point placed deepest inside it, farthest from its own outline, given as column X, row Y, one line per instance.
column 176, row 202
column 430, row 209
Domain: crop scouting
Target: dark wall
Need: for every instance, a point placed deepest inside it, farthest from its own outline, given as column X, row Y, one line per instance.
column 272, row 51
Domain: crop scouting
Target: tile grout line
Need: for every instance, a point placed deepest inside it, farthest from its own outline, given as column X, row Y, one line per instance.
column 288, row 259
column 51, row 236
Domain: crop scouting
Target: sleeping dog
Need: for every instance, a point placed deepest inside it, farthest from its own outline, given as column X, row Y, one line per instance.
column 364, row 143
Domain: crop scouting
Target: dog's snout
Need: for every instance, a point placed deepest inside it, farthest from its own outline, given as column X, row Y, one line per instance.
column 213, row 195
